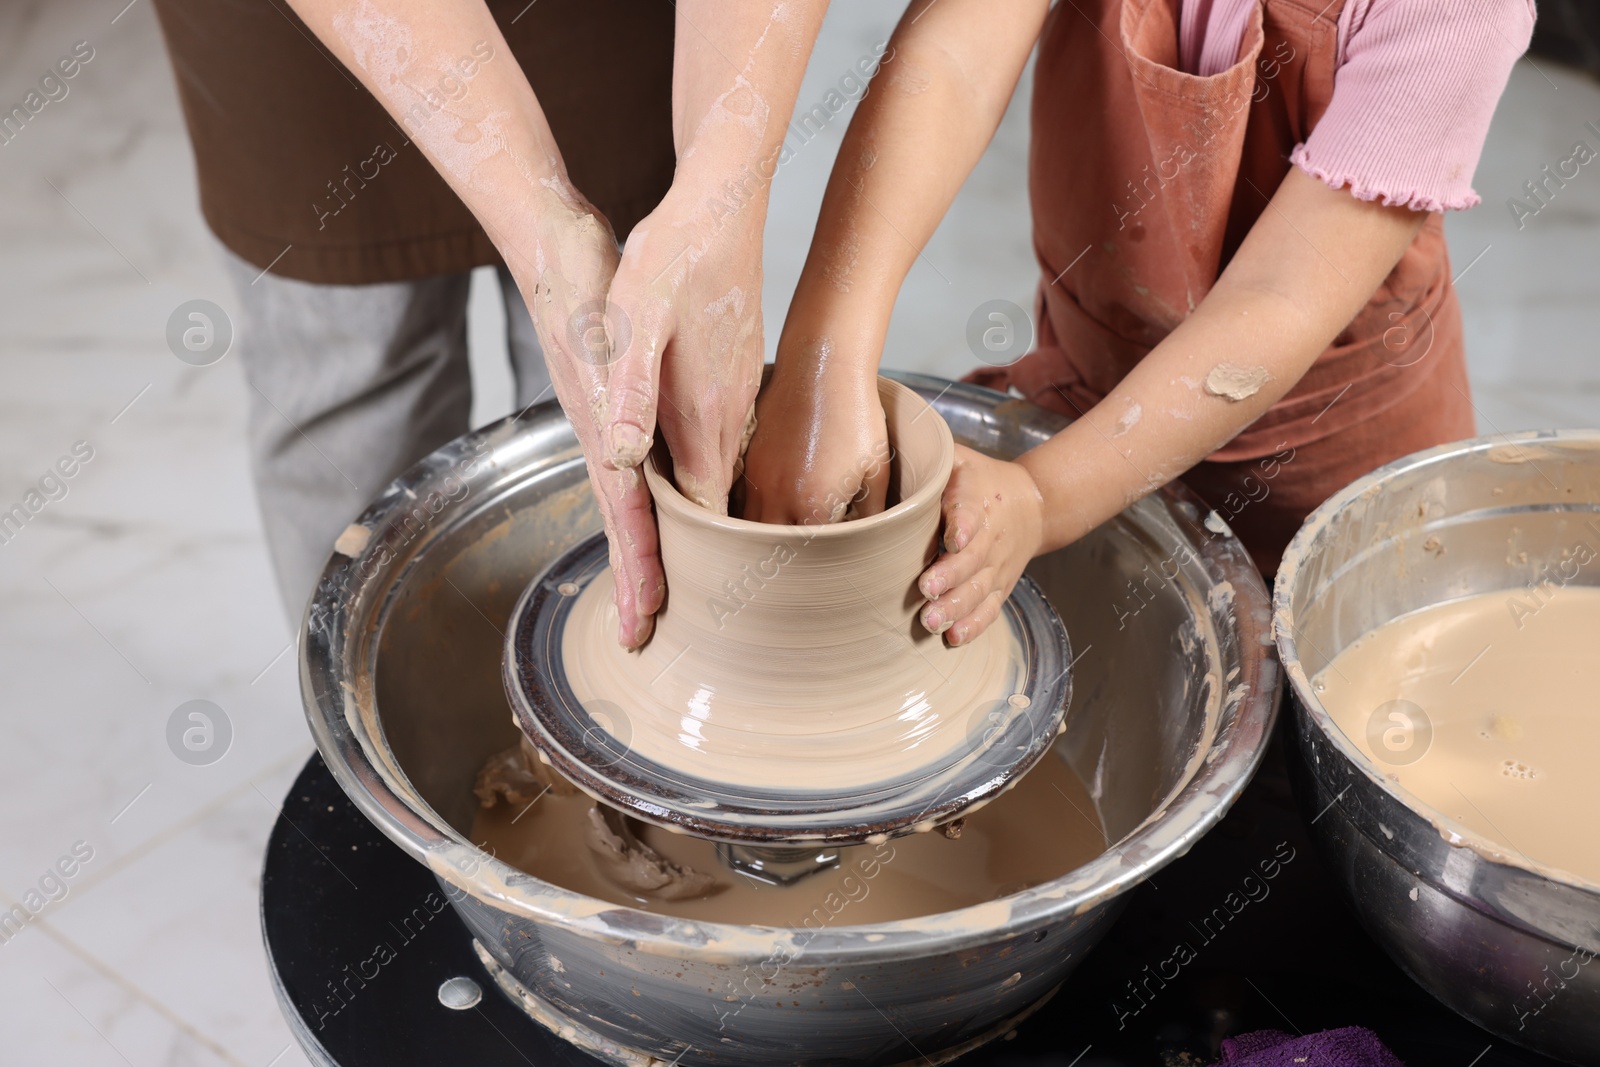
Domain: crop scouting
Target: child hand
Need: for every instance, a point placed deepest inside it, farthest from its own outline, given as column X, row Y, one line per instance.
column 820, row 453
column 993, row 525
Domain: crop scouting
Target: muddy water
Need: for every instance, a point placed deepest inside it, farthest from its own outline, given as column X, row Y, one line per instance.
column 1039, row 830
column 1488, row 709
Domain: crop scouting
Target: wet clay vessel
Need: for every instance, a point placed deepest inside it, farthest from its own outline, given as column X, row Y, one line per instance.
column 789, row 692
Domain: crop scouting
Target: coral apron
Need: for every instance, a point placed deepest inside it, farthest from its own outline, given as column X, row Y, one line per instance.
column 1144, row 181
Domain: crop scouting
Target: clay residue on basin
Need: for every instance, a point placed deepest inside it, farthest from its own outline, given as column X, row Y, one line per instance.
column 1040, row 830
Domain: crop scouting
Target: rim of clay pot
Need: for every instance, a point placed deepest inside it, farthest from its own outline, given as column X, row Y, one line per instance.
column 668, row 497
column 340, row 644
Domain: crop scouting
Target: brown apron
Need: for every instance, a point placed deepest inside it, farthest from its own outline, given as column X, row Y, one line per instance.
column 1154, row 177
column 290, row 150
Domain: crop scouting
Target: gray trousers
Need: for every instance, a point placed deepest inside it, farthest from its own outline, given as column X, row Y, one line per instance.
column 349, row 386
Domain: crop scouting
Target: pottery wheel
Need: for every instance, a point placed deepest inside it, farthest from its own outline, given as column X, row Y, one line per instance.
column 985, row 742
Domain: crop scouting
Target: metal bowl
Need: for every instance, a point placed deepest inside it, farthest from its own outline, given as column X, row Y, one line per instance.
column 1175, row 689
column 1499, row 939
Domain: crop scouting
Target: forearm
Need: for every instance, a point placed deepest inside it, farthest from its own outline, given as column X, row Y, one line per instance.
column 933, row 107
column 1161, row 419
column 442, row 69
column 1311, row 262
column 736, row 72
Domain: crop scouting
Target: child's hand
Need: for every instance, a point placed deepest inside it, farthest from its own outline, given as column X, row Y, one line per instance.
column 993, row 525
column 821, row 448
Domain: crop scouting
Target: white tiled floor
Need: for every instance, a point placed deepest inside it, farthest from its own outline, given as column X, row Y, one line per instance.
column 148, row 584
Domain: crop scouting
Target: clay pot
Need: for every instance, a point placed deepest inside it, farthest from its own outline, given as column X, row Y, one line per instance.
column 791, row 657
column 813, row 615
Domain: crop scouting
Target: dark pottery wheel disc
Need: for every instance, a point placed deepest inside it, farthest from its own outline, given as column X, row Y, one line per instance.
column 1006, row 740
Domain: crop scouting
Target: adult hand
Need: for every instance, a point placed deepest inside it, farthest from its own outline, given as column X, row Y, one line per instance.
column 820, row 453
column 564, row 278
column 686, row 328
column 685, row 305
column 687, row 298
column 993, row 525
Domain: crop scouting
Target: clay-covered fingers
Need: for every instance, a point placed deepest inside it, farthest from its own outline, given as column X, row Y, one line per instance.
column 967, row 610
column 639, row 324
column 966, row 516
column 706, row 414
column 712, row 372
column 626, row 423
column 640, row 584
column 993, row 520
column 576, row 259
column 964, row 576
column 689, row 288
column 979, row 614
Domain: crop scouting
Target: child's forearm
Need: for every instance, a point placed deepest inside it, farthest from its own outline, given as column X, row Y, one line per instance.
column 1309, row 264
column 949, row 72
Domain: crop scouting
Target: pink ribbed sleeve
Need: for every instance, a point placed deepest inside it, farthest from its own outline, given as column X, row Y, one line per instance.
column 1416, row 87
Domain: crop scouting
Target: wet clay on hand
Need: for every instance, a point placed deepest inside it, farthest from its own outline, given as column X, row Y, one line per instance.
column 1487, row 709
column 791, row 657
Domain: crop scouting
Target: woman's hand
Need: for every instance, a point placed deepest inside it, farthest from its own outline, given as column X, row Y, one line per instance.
column 567, row 300
column 993, row 525
column 682, row 323
column 820, row 453
column 688, row 297
column 690, row 280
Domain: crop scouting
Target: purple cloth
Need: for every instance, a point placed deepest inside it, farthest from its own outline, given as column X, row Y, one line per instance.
column 1351, row 1046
